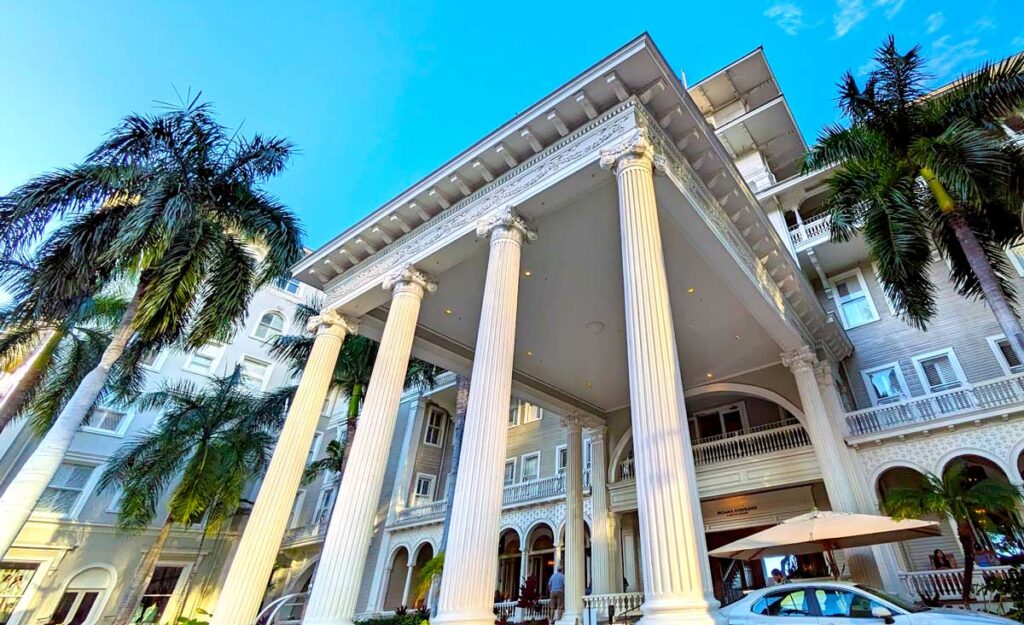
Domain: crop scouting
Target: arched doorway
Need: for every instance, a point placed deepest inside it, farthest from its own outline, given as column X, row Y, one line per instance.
column 417, row 593
column 586, row 553
column 999, row 541
column 920, row 554
column 541, row 556
column 510, row 564
column 399, row 570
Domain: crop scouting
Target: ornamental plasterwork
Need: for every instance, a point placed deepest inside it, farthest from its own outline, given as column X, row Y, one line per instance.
column 572, row 151
column 1001, row 443
column 329, row 317
column 522, row 520
column 412, row 538
column 669, row 160
column 508, row 219
column 410, row 274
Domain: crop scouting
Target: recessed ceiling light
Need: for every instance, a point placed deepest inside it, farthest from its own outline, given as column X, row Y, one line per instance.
column 691, row 290
column 737, row 337
column 447, row 311
column 529, row 353
column 709, row 375
column 590, row 384
column 527, row 273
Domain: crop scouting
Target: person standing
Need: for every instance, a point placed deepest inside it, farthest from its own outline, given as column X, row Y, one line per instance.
column 556, row 589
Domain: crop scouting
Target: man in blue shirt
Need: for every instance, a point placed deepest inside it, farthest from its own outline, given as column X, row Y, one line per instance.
column 556, row 588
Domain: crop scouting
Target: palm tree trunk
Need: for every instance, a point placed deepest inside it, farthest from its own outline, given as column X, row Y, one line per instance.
column 989, row 283
column 978, row 261
column 461, row 404
column 351, row 420
column 966, row 537
column 133, row 593
column 37, row 366
column 22, row 494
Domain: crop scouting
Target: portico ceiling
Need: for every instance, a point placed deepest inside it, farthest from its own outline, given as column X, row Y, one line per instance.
column 571, row 322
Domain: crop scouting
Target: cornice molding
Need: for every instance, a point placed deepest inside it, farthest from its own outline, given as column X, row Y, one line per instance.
column 509, row 220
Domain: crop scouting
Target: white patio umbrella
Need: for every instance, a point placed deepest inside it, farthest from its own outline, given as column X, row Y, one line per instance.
column 824, row 532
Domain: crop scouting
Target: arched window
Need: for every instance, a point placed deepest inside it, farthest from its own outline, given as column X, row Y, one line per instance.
column 271, row 324
column 83, row 598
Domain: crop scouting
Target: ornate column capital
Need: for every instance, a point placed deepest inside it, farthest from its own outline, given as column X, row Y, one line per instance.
column 823, row 373
column 409, row 279
column 597, row 434
column 330, row 319
column 800, row 359
column 636, row 150
column 573, row 422
column 506, row 224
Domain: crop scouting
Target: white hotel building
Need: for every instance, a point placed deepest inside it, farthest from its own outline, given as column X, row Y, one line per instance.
column 666, row 353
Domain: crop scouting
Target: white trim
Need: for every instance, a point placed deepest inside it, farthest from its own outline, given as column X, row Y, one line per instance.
column 314, row 448
column 114, row 505
column 522, row 465
column 558, row 450
column 515, row 469
column 949, row 353
column 881, row 287
column 855, row 272
column 993, row 344
column 515, row 405
column 440, row 413
column 417, row 498
column 175, row 598
column 122, row 427
column 161, row 359
column 296, row 296
column 259, row 321
column 1016, row 260
column 295, row 516
column 84, row 494
column 21, row 609
column 188, row 366
column 719, row 410
column 865, row 376
column 269, row 370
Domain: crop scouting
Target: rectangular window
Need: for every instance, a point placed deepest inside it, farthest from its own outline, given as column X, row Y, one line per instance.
column 939, row 371
column 531, row 413
column 66, row 489
column 1007, row 358
column 158, row 593
column 314, row 449
column 324, row 506
column 1016, row 255
column 114, row 507
column 530, row 467
column 561, row 459
column 424, row 491
column 853, row 300
column 885, row 384
column 153, row 360
column 720, row 422
column 104, row 420
column 434, row 429
column 510, row 472
column 205, row 359
column 513, row 413
column 14, row 580
column 293, row 520
column 288, row 286
column 255, row 372
column 74, row 607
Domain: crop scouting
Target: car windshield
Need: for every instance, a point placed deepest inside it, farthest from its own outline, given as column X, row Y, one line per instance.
column 903, row 604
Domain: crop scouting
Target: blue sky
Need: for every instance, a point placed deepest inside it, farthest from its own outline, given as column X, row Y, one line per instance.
column 378, row 96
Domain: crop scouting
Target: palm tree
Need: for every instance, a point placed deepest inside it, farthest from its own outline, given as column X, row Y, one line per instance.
column 57, row 355
column 332, row 462
column 972, row 504
column 209, row 442
column 171, row 202
column 919, row 170
column 353, row 368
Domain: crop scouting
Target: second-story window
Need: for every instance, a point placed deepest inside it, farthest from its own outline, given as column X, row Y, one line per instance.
column 885, row 384
column 271, row 324
column 288, row 286
column 853, row 300
column 424, row 490
column 434, row 429
column 561, row 459
column 510, row 471
column 255, row 372
column 205, row 359
column 939, row 371
column 324, row 505
column 1008, row 359
column 530, row 467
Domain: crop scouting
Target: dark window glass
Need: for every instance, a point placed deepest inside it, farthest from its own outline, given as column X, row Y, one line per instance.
column 791, row 603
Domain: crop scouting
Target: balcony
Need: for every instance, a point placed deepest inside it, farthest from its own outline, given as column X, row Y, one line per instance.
column 988, row 398
column 812, row 232
column 305, row 535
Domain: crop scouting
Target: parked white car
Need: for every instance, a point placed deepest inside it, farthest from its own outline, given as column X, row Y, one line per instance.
column 839, row 603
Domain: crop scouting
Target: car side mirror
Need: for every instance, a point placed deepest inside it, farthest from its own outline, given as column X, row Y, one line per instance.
column 883, row 613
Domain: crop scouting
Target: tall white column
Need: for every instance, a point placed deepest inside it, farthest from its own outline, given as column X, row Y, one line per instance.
column 830, row 453
column 886, row 561
column 467, row 586
column 600, row 535
column 575, row 564
column 674, row 560
column 253, row 562
column 408, row 584
column 332, row 599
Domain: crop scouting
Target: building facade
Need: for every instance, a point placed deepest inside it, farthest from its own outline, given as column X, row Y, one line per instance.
column 70, row 564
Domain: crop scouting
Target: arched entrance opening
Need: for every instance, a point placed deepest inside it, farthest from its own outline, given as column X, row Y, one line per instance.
column 417, row 593
column 398, row 572
column 541, row 556
column 84, row 597
column 586, row 553
column 921, row 554
column 997, row 537
column 510, row 564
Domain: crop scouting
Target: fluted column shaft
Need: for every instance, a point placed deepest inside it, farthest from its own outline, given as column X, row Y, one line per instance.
column 332, row 598
column 575, row 564
column 471, row 561
column 677, row 579
column 253, row 562
column 600, row 536
column 829, row 452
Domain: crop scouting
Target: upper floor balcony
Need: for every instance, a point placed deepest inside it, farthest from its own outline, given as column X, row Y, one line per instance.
column 812, row 232
column 967, row 402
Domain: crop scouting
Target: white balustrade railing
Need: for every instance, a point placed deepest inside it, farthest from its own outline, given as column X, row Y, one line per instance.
column 534, row 489
column 505, row 611
column 434, row 509
column 998, row 393
column 811, row 232
column 620, row 602
column 286, row 609
column 764, row 441
column 946, row 584
column 305, row 533
column 759, row 440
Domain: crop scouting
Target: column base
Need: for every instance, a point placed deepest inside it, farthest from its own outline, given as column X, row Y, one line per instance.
column 464, row 617
column 570, row 619
column 673, row 611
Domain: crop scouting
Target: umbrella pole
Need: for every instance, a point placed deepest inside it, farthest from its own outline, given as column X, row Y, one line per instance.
column 832, row 563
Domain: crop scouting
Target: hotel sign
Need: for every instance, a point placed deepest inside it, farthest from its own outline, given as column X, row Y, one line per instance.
column 764, row 508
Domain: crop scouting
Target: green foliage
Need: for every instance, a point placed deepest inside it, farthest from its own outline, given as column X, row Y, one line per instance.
column 210, row 442
column 1007, row 591
column 408, row 618
column 332, row 462
column 170, row 202
column 897, row 133
column 433, row 569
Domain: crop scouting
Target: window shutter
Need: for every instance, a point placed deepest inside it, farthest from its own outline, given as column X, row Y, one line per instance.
column 1008, row 354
